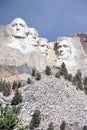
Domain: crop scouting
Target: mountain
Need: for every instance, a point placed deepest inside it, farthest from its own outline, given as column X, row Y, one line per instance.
column 21, row 50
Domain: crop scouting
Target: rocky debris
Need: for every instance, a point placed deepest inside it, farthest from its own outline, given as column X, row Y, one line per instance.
column 57, row 99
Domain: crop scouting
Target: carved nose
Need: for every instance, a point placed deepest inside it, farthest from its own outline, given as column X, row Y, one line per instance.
column 61, row 51
column 17, row 29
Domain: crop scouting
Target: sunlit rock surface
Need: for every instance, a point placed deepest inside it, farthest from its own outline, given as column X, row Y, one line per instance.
column 70, row 50
column 22, row 49
column 17, row 51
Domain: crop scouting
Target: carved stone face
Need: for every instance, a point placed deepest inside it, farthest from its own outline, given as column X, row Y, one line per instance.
column 33, row 36
column 43, row 46
column 33, row 33
column 64, row 49
column 19, row 28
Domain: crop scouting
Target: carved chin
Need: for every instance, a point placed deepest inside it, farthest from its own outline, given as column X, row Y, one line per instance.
column 45, row 54
column 64, row 57
column 19, row 35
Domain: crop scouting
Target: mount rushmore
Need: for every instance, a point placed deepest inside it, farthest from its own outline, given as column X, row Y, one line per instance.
column 21, row 50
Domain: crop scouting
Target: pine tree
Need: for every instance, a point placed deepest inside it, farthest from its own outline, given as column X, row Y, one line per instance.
column 62, row 126
column 64, row 71
column 19, row 84
column 17, row 98
column 6, row 88
column 15, row 85
column 38, row 76
column 33, row 72
column 8, row 119
column 35, row 120
column 48, row 70
column 51, row 127
column 70, row 77
column 77, row 80
column 29, row 81
column 84, row 128
column 57, row 74
column 85, row 81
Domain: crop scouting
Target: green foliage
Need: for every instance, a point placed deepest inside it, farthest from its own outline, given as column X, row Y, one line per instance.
column 57, row 74
column 38, row 76
column 17, row 98
column 77, row 80
column 19, row 84
column 48, row 70
column 62, row 126
column 78, row 75
column 51, row 127
column 15, row 85
column 74, row 81
column 85, row 84
column 29, row 81
column 70, row 77
column 79, row 85
column 23, row 128
column 16, row 109
column 63, row 71
column 85, row 89
column 8, row 119
column 5, row 87
column 85, row 127
column 33, row 72
column 35, row 120
column 1, row 86
column 85, row 81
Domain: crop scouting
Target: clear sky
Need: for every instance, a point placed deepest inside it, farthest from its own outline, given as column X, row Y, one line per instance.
column 51, row 18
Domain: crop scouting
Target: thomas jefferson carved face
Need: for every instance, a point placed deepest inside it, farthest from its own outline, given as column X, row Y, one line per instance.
column 19, row 28
column 43, row 46
column 64, row 49
column 33, row 36
column 33, row 33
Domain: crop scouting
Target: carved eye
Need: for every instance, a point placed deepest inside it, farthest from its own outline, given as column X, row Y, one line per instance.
column 59, row 46
column 30, row 33
column 65, row 46
column 21, row 25
column 34, row 37
column 14, row 25
column 42, row 45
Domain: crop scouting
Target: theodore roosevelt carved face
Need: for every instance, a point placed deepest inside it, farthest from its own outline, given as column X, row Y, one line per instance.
column 19, row 28
column 43, row 46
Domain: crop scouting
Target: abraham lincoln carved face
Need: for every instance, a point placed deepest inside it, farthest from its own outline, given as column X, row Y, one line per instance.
column 65, row 50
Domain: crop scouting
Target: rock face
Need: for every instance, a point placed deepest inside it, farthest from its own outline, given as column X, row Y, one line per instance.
column 21, row 49
column 70, row 51
column 57, row 99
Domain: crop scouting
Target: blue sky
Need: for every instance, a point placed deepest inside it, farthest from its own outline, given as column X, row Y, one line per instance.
column 51, row 18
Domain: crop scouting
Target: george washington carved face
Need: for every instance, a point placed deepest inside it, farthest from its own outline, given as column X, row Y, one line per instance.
column 19, row 28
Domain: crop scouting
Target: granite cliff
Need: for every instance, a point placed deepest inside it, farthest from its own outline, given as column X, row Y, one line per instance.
column 21, row 49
